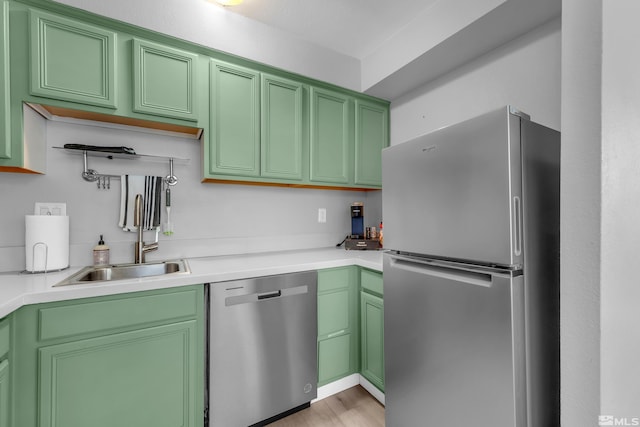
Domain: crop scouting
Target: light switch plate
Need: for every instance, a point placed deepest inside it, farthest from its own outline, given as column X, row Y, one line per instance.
column 322, row 215
column 49, row 208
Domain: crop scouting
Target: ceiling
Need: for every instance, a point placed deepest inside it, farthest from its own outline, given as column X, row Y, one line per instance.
column 352, row 27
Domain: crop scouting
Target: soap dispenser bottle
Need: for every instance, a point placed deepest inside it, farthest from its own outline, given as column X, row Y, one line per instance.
column 101, row 253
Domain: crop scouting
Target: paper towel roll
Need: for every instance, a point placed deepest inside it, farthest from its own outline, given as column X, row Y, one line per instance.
column 46, row 242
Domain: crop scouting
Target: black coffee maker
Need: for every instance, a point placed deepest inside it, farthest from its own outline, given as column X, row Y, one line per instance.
column 358, row 239
column 357, row 221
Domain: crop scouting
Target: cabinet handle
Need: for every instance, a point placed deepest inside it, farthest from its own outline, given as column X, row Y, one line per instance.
column 334, row 334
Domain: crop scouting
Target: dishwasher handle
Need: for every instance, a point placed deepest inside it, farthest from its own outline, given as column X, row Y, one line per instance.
column 259, row 297
column 267, row 295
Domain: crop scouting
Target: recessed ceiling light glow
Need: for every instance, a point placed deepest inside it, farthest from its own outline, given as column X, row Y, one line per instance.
column 229, row 2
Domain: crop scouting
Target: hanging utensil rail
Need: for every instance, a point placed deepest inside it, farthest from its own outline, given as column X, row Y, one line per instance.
column 104, row 180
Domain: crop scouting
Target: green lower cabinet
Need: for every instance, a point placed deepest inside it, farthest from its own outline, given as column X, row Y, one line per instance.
column 4, row 393
column 5, row 401
column 139, row 378
column 125, row 360
column 334, row 358
column 337, row 324
column 372, row 339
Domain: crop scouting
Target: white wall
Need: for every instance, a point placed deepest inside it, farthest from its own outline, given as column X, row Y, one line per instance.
column 620, row 293
column 210, row 219
column 580, row 216
column 524, row 73
column 426, row 30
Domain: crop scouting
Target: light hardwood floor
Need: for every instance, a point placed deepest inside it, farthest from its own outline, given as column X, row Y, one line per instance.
column 354, row 407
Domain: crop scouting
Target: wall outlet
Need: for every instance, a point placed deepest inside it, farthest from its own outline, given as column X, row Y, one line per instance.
column 47, row 208
column 322, row 215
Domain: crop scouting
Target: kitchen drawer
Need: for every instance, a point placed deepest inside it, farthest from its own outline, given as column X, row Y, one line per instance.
column 4, row 338
column 335, row 358
column 112, row 314
column 335, row 278
column 371, row 281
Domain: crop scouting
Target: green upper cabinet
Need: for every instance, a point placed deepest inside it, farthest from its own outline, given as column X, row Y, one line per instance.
column 371, row 136
column 330, row 140
column 260, row 124
column 234, row 140
column 281, row 128
column 164, row 81
column 72, row 61
column 5, row 133
column 256, row 125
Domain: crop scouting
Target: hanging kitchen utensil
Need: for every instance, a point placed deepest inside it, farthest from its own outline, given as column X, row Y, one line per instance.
column 167, row 226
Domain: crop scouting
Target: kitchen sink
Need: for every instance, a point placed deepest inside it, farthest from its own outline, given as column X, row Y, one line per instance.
column 106, row 273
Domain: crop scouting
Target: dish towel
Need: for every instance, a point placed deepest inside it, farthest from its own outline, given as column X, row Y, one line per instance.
column 150, row 187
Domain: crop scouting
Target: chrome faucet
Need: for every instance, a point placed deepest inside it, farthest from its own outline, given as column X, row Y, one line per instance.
column 138, row 221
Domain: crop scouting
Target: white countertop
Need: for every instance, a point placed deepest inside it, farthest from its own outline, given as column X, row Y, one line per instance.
column 17, row 290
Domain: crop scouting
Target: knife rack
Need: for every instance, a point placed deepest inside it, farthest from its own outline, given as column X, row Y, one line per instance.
column 103, row 181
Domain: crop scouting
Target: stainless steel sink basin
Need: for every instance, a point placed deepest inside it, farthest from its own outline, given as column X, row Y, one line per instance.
column 104, row 273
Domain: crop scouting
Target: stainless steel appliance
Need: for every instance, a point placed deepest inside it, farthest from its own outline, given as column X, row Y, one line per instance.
column 471, row 284
column 263, row 339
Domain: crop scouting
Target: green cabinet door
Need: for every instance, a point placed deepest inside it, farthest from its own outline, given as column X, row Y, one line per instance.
column 4, row 393
column 234, row 139
column 281, row 128
column 330, row 139
column 372, row 339
column 371, row 136
column 337, row 324
column 72, row 61
column 164, row 81
column 119, row 360
column 4, row 373
column 5, row 134
column 141, row 378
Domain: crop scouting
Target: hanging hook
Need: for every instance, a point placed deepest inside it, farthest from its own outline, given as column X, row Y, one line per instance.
column 89, row 174
column 171, row 179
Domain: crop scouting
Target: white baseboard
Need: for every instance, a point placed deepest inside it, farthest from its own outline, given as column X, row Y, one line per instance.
column 373, row 390
column 337, row 386
column 347, row 382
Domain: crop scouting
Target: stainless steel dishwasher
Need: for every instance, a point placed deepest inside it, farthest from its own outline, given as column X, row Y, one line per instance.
column 262, row 348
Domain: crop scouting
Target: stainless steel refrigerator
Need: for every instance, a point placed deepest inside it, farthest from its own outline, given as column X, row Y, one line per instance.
column 471, row 280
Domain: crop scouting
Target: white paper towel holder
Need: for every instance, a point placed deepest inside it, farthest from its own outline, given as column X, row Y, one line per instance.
column 46, row 260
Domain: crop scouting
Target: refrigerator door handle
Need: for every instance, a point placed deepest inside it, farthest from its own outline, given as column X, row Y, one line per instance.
column 517, row 213
column 443, row 270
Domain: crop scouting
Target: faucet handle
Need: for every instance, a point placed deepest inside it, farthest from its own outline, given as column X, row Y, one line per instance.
column 137, row 211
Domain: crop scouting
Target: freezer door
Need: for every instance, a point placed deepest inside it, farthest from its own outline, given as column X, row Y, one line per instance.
column 456, row 192
column 454, row 346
